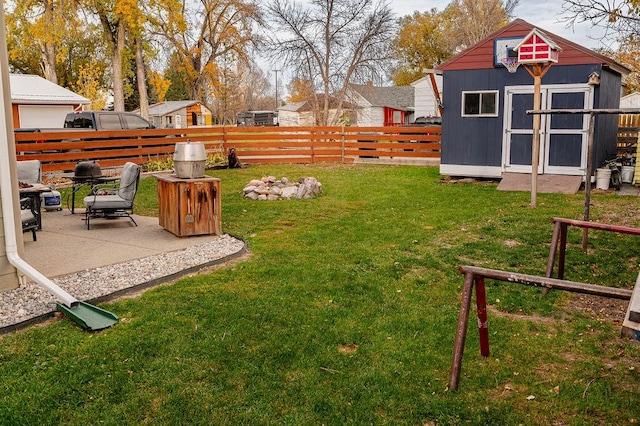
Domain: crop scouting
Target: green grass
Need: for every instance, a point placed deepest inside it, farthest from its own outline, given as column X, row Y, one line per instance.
column 346, row 313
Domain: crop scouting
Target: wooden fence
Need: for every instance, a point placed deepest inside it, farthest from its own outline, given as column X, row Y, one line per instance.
column 61, row 151
column 629, row 120
column 627, row 141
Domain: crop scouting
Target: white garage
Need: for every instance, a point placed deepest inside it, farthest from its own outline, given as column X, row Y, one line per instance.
column 39, row 103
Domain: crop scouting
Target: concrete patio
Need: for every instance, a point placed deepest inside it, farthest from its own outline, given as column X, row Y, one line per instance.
column 112, row 259
column 65, row 245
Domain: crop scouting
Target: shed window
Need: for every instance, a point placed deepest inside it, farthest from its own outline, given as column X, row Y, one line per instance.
column 480, row 104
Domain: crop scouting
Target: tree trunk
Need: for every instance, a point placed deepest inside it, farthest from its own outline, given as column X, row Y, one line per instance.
column 142, row 81
column 48, row 62
column 118, row 84
column 47, row 49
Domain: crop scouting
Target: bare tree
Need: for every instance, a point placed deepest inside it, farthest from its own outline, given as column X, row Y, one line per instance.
column 620, row 18
column 332, row 43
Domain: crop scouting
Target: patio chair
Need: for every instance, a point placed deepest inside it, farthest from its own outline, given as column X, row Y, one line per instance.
column 30, row 171
column 30, row 176
column 29, row 216
column 114, row 201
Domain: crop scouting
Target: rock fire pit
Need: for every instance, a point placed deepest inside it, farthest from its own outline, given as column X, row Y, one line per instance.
column 271, row 188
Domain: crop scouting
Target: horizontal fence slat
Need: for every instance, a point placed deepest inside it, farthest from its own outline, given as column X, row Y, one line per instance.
column 60, row 150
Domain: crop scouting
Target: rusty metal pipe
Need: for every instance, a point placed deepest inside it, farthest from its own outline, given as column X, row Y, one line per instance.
column 483, row 325
column 553, row 250
column 598, row 226
column 461, row 331
column 476, row 275
column 563, row 250
column 553, row 283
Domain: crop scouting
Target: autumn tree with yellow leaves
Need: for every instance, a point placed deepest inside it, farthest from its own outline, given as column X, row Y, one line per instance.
column 203, row 34
column 48, row 38
column 426, row 39
column 619, row 20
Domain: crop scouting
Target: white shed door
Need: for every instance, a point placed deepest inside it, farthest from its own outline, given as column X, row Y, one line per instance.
column 43, row 116
column 563, row 137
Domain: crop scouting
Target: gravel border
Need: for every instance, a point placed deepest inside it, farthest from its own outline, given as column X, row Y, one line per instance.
column 30, row 303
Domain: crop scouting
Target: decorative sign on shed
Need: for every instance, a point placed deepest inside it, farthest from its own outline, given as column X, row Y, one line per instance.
column 537, row 48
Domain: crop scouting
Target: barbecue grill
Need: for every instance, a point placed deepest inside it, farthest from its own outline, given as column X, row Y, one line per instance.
column 87, row 171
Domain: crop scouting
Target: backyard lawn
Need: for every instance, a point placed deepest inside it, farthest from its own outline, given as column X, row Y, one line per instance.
column 345, row 312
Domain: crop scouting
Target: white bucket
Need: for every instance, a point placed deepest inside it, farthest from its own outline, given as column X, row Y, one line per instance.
column 627, row 174
column 602, row 178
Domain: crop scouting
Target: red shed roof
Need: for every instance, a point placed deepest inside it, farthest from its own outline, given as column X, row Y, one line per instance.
column 481, row 55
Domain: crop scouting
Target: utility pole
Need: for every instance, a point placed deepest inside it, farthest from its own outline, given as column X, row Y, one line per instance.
column 276, row 71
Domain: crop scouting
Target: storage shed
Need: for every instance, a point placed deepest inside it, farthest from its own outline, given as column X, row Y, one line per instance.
column 486, row 131
column 178, row 114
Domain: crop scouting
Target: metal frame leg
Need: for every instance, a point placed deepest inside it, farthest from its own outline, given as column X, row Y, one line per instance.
column 553, row 249
column 461, row 332
column 483, row 325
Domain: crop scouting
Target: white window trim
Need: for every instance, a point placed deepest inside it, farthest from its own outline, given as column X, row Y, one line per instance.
column 495, row 92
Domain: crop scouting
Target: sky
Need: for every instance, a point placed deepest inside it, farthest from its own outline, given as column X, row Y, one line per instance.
column 544, row 14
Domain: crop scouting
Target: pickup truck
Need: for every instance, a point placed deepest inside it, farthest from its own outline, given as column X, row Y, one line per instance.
column 96, row 120
column 83, row 121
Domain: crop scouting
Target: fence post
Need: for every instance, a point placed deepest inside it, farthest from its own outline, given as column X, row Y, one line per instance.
column 312, row 140
column 224, row 140
column 342, row 145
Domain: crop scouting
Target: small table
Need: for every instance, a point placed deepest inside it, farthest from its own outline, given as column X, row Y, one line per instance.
column 189, row 206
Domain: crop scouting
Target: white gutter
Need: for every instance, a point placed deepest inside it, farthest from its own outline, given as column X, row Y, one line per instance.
column 7, row 145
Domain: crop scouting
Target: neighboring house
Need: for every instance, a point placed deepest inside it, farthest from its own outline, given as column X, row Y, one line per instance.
column 381, row 106
column 37, row 102
column 178, row 114
column 427, row 99
column 302, row 113
column 485, row 128
column 632, row 100
column 296, row 114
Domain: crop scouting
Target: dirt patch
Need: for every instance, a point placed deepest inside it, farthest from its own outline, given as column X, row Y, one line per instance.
column 602, row 309
column 534, row 318
column 348, row 349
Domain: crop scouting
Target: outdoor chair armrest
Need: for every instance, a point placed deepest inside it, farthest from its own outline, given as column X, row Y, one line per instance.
column 109, row 188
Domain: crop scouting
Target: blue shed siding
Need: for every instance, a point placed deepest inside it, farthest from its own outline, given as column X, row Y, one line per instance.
column 477, row 141
column 606, row 134
column 470, row 140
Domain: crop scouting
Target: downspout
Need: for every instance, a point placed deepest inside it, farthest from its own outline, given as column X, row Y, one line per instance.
column 7, row 145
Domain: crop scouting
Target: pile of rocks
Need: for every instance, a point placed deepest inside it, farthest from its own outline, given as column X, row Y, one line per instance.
column 271, row 188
